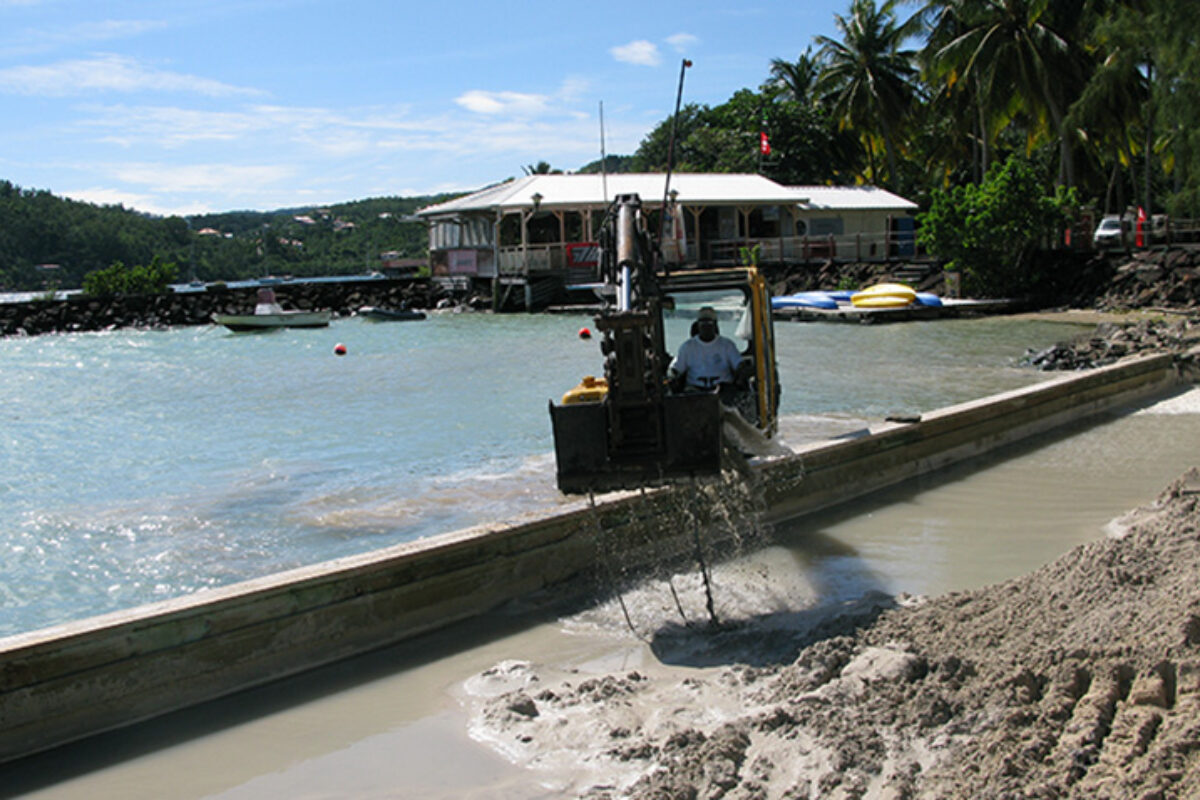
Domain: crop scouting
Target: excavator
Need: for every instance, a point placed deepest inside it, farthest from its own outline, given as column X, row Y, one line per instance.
column 635, row 426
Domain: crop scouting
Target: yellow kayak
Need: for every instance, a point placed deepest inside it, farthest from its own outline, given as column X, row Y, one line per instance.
column 884, row 295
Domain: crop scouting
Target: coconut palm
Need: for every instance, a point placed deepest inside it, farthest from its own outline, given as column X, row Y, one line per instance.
column 867, row 79
column 966, row 99
column 1011, row 49
column 1114, row 111
column 541, row 168
column 796, row 78
column 1177, row 95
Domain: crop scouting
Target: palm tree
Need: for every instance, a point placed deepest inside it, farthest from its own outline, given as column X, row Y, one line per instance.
column 1009, row 49
column 962, row 98
column 1177, row 96
column 1114, row 111
column 796, row 78
column 541, row 168
column 867, row 78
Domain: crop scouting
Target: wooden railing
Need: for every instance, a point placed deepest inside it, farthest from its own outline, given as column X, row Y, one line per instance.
column 773, row 250
column 803, row 249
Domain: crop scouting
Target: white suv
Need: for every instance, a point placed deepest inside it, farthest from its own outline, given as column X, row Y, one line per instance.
column 1109, row 232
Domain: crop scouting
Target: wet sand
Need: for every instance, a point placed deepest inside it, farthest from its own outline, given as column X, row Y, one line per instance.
column 1081, row 679
column 445, row 716
column 1091, row 316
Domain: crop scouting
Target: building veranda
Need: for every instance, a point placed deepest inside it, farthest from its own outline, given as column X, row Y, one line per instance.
column 537, row 234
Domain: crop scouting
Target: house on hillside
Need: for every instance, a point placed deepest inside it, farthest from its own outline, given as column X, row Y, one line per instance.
column 539, row 232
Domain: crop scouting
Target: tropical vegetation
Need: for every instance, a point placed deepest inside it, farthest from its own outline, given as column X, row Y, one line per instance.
column 119, row 279
column 990, row 230
column 1099, row 95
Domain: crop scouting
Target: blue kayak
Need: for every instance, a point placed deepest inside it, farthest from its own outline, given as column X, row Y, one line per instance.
column 928, row 299
column 804, row 300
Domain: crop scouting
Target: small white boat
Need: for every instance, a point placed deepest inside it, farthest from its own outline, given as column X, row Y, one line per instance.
column 379, row 314
column 242, row 323
column 268, row 315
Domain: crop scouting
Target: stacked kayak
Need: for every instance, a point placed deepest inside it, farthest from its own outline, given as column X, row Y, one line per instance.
column 804, row 300
column 881, row 295
column 884, row 295
column 892, row 295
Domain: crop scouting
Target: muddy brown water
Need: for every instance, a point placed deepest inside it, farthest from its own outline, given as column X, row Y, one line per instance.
column 399, row 723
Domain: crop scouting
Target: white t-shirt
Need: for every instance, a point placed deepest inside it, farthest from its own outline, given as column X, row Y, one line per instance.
column 705, row 364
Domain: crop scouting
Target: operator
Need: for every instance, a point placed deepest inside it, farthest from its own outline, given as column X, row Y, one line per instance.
column 707, row 360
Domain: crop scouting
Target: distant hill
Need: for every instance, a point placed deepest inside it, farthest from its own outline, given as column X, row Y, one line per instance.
column 52, row 242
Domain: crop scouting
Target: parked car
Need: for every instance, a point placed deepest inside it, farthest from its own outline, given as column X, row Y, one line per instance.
column 1109, row 231
column 1113, row 232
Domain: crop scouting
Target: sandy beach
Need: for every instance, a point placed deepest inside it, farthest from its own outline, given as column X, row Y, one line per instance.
column 1081, row 679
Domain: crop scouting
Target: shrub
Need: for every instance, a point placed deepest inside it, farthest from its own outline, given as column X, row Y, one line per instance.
column 989, row 231
column 118, row 279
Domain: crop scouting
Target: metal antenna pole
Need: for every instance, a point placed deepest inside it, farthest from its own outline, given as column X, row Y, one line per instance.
column 671, row 153
column 603, row 156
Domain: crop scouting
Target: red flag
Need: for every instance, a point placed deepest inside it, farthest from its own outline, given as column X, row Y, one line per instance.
column 764, row 144
column 1141, row 220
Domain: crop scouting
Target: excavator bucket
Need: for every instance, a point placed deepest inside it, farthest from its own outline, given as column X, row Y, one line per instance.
column 678, row 438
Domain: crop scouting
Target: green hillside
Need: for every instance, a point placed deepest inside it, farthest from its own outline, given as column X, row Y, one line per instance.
column 53, row 242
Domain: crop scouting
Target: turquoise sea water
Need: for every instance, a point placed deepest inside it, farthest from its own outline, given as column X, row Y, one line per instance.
column 141, row 465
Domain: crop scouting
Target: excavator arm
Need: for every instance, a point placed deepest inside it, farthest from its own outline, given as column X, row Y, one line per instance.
column 630, row 430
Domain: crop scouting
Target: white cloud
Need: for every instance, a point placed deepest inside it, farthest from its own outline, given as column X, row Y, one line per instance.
column 107, row 196
column 640, row 52
column 25, row 42
column 518, row 104
column 209, row 178
column 318, row 132
column 682, row 41
column 573, row 88
column 172, row 126
column 106, row 72
column 482, row 102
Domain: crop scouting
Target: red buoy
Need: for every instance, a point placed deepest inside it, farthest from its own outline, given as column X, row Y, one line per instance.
column 339, row 349
column 584, row 333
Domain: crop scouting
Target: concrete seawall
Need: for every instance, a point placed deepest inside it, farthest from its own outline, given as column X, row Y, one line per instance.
column 75, row 680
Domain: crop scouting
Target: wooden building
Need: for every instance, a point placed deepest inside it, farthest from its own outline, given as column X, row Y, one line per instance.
column 539, row 232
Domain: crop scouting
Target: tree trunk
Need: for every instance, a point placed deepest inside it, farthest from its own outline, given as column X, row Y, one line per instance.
column 1149, row 139
column 1112, row 182
column 984, row 136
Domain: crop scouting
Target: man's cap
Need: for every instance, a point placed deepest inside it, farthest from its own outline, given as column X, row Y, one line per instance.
column 707, row 313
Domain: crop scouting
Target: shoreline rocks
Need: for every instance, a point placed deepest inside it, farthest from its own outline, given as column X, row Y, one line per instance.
column 1113, row 341
column 1166, row 278
column 79, row 313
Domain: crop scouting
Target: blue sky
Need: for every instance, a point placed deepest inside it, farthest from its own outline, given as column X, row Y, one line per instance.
column 215, row 105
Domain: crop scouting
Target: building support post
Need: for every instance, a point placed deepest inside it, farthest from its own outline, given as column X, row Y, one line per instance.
column 496, row 261
column 696, row 211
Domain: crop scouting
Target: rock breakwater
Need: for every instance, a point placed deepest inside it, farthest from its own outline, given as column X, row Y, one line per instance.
column 1167, row 278
column 78, row 313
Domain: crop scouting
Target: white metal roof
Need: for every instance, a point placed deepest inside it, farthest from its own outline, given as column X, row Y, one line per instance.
column 850, row 198
column 575, row 191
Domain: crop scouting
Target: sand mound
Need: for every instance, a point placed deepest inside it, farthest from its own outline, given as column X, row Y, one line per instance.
column 1081, row 679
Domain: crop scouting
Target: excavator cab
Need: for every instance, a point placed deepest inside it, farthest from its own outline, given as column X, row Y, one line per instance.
column 632, row 428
